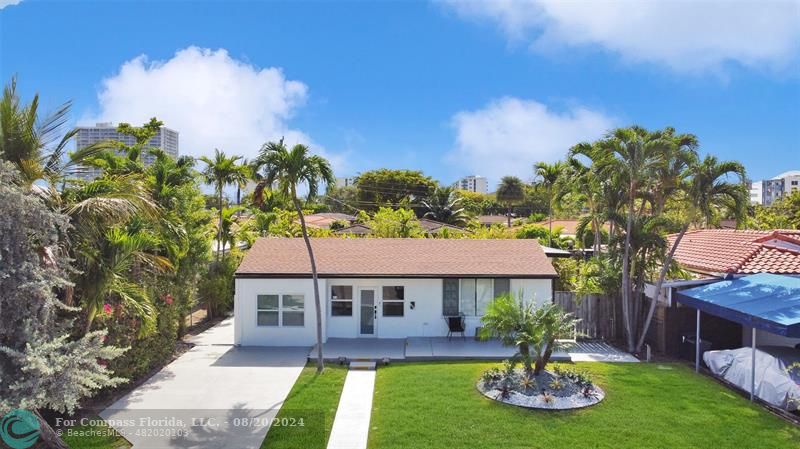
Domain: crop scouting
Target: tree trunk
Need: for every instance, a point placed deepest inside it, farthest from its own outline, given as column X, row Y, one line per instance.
column 508, row 215
column 659, row 283
column 550, row 220
column 626, row 275
column 219, row 225
column 318, row 307
column 49, row 436
column 543, row 359
column 525, row 352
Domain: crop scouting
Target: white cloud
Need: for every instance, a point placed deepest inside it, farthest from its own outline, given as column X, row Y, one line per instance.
column 4, row 3
column 687, row 36
column 211, row 99
column 509, row 135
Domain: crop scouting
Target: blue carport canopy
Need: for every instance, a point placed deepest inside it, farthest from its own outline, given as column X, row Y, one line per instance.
column 763, row 301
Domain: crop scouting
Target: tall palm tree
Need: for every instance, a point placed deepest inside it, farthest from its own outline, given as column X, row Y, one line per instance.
column 444, row 205
column 511, row 191
column 633, row 153
column 706, row 184
column 547, row 176
column 291, row 169
column 221, row 171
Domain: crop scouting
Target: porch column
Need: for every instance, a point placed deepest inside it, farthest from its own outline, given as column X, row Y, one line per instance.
column 697, row 345
column 753, row 367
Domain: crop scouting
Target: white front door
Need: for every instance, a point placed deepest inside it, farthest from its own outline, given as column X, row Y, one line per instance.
column 368, row 312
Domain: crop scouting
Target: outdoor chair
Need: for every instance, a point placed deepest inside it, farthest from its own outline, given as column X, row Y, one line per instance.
column 455, row 324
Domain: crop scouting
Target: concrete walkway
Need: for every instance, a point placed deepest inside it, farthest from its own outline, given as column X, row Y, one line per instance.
column 351, row 424
column 214, row 396
column 441, row 348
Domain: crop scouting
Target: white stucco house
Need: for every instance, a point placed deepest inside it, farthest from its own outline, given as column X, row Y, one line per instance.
column 379, row 288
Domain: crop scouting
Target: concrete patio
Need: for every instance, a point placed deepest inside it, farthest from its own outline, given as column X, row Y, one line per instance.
column 440, row 348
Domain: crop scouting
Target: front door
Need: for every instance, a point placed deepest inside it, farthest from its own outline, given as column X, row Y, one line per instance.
column 368, row 312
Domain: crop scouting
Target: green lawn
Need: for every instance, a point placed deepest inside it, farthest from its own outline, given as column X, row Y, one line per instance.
column 94, row 437
column 436, row 405
column 313, row 399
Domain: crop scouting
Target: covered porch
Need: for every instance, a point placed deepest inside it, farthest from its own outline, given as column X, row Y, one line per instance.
column 456, row 348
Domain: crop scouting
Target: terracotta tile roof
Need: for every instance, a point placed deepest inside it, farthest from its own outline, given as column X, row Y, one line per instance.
column 487, row 220
column 325, row 219
column 738, row 251
column 428, row 226
column 372, row 257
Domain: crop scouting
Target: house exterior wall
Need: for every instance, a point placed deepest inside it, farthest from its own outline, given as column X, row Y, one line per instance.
column 425, row 319
column 248, row 333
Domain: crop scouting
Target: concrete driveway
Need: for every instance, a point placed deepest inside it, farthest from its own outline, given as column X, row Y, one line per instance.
column 214, row 396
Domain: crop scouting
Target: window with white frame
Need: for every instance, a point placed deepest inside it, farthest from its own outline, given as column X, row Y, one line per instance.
column 341, row 300
column 267, row 310
column 280, row 310
column 394, row 300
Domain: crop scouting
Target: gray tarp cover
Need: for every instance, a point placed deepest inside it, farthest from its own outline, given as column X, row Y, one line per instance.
column 774, row 384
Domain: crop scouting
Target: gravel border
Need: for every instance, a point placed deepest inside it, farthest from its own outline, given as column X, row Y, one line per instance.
column 575, row 401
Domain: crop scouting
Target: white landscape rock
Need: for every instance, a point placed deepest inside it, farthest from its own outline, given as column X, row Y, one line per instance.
column 575, row 401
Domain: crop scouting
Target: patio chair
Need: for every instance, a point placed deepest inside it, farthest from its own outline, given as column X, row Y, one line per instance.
column 455, row 324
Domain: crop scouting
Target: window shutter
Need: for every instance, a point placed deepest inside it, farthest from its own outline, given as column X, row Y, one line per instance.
column 450, row 297
column 501, row 286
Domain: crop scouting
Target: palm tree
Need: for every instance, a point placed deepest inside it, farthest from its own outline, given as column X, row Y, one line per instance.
column 221, row 171
column 511, row 191
column 633, row 154
column 108, row 265
column 706, row 187
column 531, row 329
column 548, row 176
column 36, row 145
column 291, row 169
column 444, row 205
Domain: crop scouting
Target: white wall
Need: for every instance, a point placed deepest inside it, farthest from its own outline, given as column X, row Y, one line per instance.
column 424, row 320
column 764, row 338
column 248, row 333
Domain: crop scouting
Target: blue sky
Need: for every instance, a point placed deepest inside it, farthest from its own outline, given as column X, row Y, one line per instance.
column 448, row 88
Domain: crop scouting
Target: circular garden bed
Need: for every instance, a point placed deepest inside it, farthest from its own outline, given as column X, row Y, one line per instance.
column 561, row 389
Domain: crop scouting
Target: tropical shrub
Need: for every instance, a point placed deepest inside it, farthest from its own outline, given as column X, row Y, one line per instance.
column 534, row 330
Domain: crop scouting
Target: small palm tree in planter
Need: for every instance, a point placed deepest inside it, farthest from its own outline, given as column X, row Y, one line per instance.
column 533, row 330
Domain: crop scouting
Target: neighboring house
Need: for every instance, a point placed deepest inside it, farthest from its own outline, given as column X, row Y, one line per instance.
column 489, row 220
column 710, row 255
column 430, row 227
column 719, row 252
column 568, row 226
column 379, row 288
column 324, row 220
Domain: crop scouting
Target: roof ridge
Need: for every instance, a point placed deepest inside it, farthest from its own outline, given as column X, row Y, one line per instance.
column 747, row 258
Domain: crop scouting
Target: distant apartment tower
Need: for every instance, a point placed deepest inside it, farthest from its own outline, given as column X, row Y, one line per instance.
column 166, row 139
column 473, row 184
column 345, row 182
column 768, row 191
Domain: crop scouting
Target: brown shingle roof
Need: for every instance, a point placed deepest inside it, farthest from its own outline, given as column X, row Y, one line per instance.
column 287, row 257
column 737, row 251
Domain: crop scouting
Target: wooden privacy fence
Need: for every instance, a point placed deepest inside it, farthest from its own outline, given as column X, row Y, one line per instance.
column 601, row 316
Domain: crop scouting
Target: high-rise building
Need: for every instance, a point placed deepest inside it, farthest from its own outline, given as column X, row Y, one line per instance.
column 473, row 183
column 166, row 139
column 767, row 191
column 345, row 182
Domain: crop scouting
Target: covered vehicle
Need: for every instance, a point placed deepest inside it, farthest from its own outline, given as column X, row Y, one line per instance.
column 776, row 382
